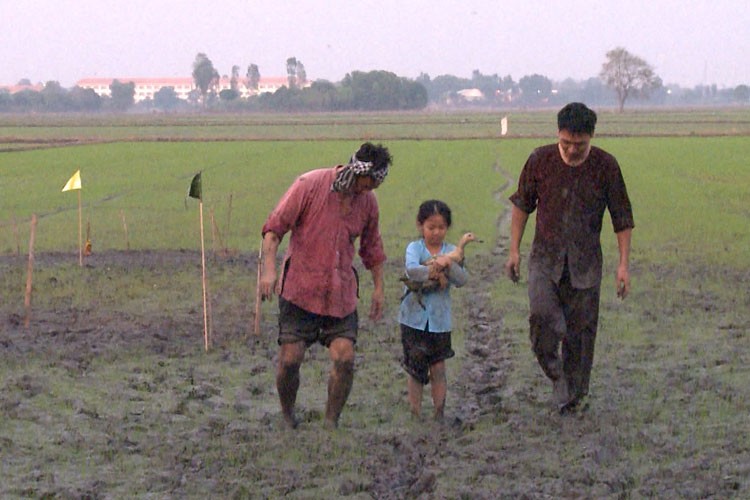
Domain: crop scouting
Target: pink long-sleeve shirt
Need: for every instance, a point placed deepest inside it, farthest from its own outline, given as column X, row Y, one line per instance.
column 317, row 273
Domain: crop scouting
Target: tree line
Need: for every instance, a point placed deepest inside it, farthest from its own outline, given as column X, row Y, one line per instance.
column 624, row 78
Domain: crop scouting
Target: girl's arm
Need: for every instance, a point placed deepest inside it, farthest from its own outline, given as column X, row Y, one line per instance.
column 415, row 271
column 457, row 275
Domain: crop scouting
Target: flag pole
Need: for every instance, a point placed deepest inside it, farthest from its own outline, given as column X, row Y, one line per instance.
column 74, row 183
column 30, row 269
column 256, row 325
column 80, row 231
column 196, row 191
column 203, row 271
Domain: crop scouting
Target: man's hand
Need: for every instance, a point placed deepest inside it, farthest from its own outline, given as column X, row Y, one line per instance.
column 377, row 304
column 267, row 281
column 513, row 267
column 623, row 282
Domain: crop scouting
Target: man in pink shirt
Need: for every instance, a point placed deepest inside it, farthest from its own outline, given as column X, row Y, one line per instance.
column 326, row 210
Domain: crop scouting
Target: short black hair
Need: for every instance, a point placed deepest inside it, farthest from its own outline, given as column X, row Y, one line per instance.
column 375, row 153
column 576, row 118
column 434, row 207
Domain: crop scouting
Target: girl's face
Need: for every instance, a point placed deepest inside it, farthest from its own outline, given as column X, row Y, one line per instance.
column 433, row 230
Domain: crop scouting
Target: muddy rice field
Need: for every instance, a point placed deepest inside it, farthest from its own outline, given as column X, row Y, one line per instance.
column 109, row 392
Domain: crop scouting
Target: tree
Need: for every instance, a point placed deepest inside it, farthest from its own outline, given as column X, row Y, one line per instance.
column 628, row 75
column 205, row 75
column 321, row 96
column 253, row 77
column 535, row 89
column 166, row 99
column 301, row 74
column 28, row 100
column 291, row 72
column 382, row 90
column 55, row 98
column 85, row 99
column 122, row 94
column 741, row 93
column 228, row 95
column 234, row 81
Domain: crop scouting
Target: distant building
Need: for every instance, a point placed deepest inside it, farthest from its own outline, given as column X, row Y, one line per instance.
column 471, row 95
column 145, row 88
column 12, row 89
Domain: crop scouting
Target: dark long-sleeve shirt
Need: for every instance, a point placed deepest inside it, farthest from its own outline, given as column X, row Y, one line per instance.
column 570, row 203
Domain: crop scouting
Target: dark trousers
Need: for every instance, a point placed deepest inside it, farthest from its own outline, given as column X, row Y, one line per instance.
column 563, row 315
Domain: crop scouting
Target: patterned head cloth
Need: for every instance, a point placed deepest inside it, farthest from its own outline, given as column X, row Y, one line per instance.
column 346, row 176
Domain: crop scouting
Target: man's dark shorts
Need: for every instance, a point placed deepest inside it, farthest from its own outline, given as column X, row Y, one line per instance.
column 423, row 349
column 296, row 324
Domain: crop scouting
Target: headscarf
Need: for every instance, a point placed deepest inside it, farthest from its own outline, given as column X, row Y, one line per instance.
column 346, row 176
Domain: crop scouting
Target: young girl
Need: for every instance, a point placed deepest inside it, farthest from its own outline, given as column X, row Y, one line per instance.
column 425, row 318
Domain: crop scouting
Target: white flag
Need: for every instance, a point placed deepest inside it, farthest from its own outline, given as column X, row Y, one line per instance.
column 504, row 125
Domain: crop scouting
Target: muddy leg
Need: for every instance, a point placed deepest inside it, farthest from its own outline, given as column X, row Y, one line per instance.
column 287, row 379
column 578, row 347
column 439, row 388
column 414, row 388
column 340, row 380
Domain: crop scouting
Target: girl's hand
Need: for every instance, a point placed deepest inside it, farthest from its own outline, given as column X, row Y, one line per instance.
column 443, row 261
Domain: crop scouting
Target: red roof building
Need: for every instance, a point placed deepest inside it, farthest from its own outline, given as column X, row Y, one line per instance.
column 145, row 88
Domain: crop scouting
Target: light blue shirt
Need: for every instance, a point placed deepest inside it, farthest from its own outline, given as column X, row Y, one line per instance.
column 435, row 309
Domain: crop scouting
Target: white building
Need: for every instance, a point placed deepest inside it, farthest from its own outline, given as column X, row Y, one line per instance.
column 145, row 88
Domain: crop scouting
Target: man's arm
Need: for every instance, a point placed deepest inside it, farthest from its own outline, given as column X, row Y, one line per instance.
column 517, row 227
column 378, row 293
column 268, row 273
column 623, row 268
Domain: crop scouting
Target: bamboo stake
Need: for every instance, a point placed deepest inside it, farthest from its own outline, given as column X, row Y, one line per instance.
column 80, row 231
column 215, row 234
column 256, row 325
column 15, row 235
column 229, row 225
column 205, row 293
column 125, row 228
column 27, row 299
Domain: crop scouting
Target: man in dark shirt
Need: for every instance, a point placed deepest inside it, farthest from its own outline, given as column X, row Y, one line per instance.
column 569, row 184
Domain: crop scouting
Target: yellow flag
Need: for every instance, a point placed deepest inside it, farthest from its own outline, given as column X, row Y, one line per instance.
column 74, row 182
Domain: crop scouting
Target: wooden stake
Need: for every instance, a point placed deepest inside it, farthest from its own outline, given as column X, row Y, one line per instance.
column 125, row 228
column 256, row 325
column 229, row 225
column 15, row 235
column 215, row 234
column 80, row 231
column 27, row 299
column 205, row 293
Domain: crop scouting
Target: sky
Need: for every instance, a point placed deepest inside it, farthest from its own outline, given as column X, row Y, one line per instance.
column 687, row 42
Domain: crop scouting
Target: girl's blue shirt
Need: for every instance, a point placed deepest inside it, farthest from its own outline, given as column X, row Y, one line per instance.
column 435, row 309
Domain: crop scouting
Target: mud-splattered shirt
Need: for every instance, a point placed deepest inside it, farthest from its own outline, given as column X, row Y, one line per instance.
column 570, row 204
column 318, row 273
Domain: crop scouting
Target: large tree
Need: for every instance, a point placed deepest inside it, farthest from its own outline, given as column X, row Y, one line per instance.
column 122, row 95
column 166, row 98
column 628, row 75
column 301, row 74
column 234, row 81
column 291, row 72
column 205, row 75
column 252, row 77
column 535, row 89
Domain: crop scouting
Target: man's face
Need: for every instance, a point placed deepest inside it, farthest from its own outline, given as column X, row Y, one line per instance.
column 363, row 183
column 574, row 148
